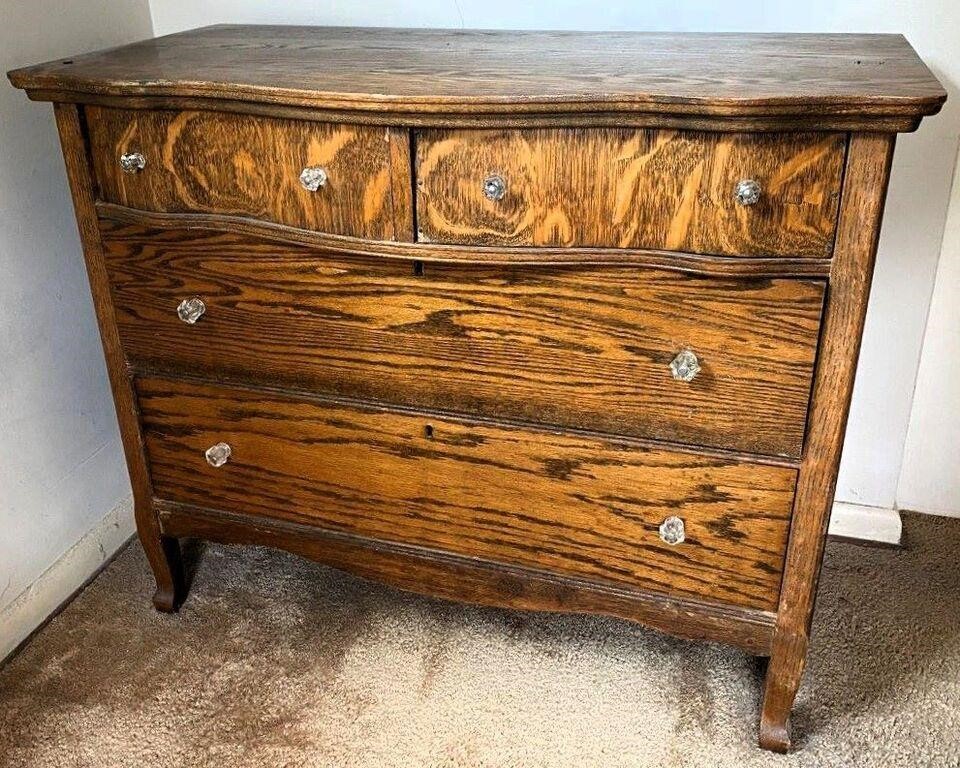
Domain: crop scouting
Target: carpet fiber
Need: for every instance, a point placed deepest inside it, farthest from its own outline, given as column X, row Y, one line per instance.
column 275, row 661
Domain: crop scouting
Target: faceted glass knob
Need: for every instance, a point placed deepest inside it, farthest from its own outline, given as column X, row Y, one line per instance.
column 217, row 455
column 671, row 531
column 747, row 192
column 132, row 162
column 190, row 310
column 494, row 188
column 685, row 366
column 313, row 177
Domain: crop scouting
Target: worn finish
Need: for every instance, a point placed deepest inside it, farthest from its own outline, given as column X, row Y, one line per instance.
column 440, row 574
column 494, row 72
column 574, row 346
column 244, row 166
column 578, row 506
column 686, row 263
column 163, row 552
column 865, row 186
column 545, row 332
column 626, row 188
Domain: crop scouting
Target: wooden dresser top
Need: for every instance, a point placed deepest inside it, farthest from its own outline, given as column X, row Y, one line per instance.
column 420, row 71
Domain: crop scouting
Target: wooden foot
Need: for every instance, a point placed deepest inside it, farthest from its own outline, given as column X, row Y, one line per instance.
column 775, row 736
column 784, row 673
column 167, row 565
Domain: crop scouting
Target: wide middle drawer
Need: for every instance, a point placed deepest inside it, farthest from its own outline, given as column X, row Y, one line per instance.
column 587, row 347
column 584, row 507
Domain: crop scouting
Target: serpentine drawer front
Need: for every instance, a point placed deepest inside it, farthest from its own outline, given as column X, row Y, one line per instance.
column 578, row 346
column 329, row 177
column 760, row 194
column 552, row 321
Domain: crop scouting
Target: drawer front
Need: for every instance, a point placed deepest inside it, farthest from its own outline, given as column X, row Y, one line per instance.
column 242, row 165
column 572, row 346
column 579, row 506
column 627, row 188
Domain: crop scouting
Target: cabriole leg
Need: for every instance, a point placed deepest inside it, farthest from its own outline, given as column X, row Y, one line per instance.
column 784, row 673
column 163, row 554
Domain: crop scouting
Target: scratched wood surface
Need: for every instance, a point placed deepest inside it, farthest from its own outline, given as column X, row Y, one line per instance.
column 467, row 579
column 630, row 188
column 433, row 71
column 570, row 345
column 574, row 505
column 163, row 552
column 206, row 162
column 865, row 187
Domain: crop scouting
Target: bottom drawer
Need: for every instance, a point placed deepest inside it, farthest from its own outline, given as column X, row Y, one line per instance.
column 575, row 505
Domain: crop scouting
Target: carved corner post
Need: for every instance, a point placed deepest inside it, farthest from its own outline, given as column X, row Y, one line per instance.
column 162, row 552
column 864, row 190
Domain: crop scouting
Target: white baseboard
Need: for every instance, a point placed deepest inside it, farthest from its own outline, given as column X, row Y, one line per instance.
column 41, row 599
column 880, row 525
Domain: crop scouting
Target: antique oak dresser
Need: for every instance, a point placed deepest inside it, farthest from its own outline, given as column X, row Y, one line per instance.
column 545, row 320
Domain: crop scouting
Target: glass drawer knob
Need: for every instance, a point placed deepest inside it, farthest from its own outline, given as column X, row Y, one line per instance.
column 685, row 366
column 190, row 310
column 671, row 531
column 313, row 177
column 494, row 188
column 747, row 192
column 132, row 162
column 217, row 455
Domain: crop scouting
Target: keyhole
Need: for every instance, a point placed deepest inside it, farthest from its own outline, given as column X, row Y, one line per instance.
column 418, row 268
column 428, row 431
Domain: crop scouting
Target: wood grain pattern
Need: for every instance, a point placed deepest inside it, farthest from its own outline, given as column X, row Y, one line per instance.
column 401, row 184
column 865, row 186
column 163, row 553
column 250, row 166
column 572, row 505
column 452, row 577
column 739, row 123
column 628, row 188
column 474, row 71
column 117, row 216
column 573, row 346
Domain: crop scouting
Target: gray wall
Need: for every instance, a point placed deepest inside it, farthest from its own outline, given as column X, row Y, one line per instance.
column 61, row 467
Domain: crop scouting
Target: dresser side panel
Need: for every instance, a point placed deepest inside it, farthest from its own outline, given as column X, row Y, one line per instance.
column 163, row 553
column 865, row 187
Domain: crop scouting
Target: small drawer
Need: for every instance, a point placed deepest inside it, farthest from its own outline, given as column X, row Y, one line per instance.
column 330, row 178
column 732, row 194
column 664, row 521
column 647, row 353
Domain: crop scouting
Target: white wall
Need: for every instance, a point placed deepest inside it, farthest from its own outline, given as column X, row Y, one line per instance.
column 916, row 211
column 930, row 478
column 61, row 466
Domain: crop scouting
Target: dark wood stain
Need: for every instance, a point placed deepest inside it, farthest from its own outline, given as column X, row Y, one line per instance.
column 576, row 346
column 440, row 574
column 240, row 165
column 676, row 261
column 627, row 188
column 502, row 72
column 865, row 188
column 491, row 493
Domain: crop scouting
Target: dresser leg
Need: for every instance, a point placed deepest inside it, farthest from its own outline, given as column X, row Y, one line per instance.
column 784, row 673
column 165, row 561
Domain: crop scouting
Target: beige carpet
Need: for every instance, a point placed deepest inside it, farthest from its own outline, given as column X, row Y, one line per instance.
column 275, row 661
